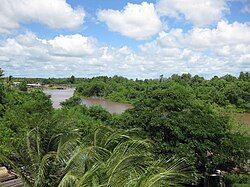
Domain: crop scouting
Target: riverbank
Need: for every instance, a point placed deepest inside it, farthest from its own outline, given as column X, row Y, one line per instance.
column 110, row 106
column 244, row 118
column 60, row 95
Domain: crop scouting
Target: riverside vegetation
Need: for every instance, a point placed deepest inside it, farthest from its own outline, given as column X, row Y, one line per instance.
column 180, row 129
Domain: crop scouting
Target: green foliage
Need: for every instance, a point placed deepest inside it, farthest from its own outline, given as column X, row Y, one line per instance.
column 93, row 89
column 237, row 179
column 23, row 86
column 244, row 76
column 104, row 158
column 1, row 72
column 71, row 102
column 2, row 99
column 69, row 118
column 182, row 125
column 21, row 112
column 224, row 91
column 99, row 113
column 10, row 78
column 72, row 79
column 181, row 117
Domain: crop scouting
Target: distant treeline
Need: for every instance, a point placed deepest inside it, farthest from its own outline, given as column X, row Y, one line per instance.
column 226, row 91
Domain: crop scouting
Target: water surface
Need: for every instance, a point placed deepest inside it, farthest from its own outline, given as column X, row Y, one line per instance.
column 110, row 106
column 60, row 95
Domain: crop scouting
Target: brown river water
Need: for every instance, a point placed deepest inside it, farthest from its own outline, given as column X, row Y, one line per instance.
column 57, row 96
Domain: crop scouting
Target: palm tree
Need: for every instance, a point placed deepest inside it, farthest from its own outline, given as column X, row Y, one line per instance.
column 106, row 158
column 40, row 164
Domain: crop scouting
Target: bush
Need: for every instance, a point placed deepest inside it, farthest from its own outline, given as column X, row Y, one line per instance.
column 97, row 112
column 237, row 180
column 23, row 86
column 71, row 102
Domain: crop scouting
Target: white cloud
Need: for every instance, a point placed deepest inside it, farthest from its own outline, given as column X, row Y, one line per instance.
column 29, row 46
column 52, row 13
column 74, row 45
column 204, row 38
column 224, row 49
column 139, row 21
column 207, row 52
column 198, row 12
column 28, row 55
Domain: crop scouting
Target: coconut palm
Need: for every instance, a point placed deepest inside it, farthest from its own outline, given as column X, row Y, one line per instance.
column 106, row 158
column 40, row 164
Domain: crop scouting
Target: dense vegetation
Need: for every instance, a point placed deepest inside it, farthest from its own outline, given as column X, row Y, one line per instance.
column 227, row 91
column 179, row 129
column 74, row 146
column 185, row 116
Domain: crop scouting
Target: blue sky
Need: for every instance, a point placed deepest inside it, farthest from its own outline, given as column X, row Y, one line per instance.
column 136, row 39
column 92, row 28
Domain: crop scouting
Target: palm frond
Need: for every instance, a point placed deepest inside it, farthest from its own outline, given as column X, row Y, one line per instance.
column 69, row 180
column 43, row 167
column 32, row 148
column 175, row 174
column 87, row 179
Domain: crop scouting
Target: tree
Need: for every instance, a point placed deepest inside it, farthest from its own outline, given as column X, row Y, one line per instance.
column 71, row 102
column 98, row 112
column 161, row 78
column 105, row 158
column 23, row 86
column 72, row 79
column 186, row 77
column 244, row 76
column 10, row 78
column 183, row 125
column 3, row 99
column 20, row 112
column 1, row 72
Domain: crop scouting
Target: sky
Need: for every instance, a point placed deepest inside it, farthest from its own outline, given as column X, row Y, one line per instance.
column 135, row 39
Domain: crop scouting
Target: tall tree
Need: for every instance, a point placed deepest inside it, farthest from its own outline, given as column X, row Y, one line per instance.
column 72, row 79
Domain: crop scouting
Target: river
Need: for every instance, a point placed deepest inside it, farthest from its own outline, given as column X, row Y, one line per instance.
column 58, row 96
column 112, row 107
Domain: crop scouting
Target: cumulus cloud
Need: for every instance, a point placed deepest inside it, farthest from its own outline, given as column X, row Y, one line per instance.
column 198, row 51
column 224, row 49
column 200, row 13
column 204, row 38
column 52, row 13
column 74, row 45
column 139, row 21
column 29, row 55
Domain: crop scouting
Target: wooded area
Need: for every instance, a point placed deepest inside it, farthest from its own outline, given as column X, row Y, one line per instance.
column 180, row 129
